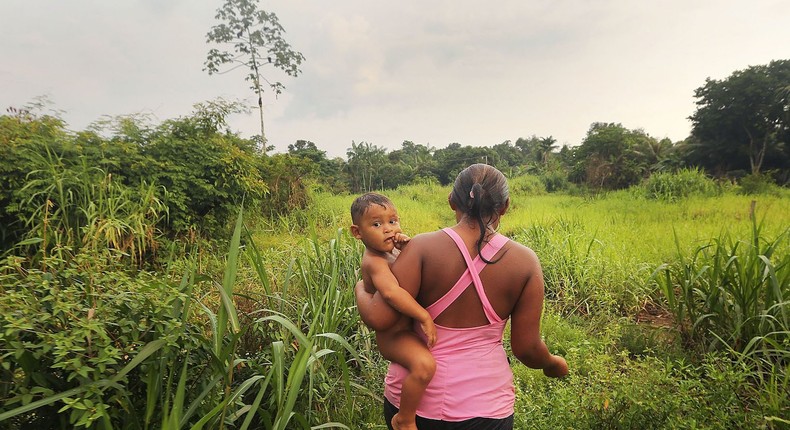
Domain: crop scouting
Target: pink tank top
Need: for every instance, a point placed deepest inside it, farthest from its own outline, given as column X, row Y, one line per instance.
column 473, row 377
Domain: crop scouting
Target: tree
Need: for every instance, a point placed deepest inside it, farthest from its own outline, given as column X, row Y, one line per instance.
column 256, row 40
column 307, row 149
column 546, row 146
column 205, row 170
column 656, row 153
column 455, row 158
column 608, row 159
column 742, row 122
column 509, row 157
column 328, row 173
column 416, row 160
column 365, row 161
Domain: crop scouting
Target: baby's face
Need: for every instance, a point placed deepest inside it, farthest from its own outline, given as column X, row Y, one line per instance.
column 378, row 228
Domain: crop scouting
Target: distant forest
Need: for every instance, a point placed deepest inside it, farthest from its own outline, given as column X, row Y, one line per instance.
column 200, row 170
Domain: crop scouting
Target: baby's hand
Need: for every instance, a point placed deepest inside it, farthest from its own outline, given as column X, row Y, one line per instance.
column 429, row 328
column 400, row 240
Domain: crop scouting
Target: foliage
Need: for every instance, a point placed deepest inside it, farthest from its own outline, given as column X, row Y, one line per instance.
column 742, row 122
column 415, row 163
column 323, row 172
column 257, row 40
column 287, row 178
column 757, row 184
column 206, row 173
column 733, row 294
column 526, row 185
column 124, row 352
column 199, row 170
column 21, row 130
column 555, row 181
column 678, row 185
column 454, row 158
column 365, row 164
column 67, row 206
column 70, row 326
column 611, row 157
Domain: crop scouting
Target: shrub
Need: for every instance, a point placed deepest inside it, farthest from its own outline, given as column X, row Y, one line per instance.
column 757, row 183
column 681, row 184
column 90, row 346
column 527, row 185
column 555, row 181
column 70, row 329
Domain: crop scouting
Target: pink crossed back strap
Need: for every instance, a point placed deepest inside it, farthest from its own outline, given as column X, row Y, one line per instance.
column 471, row 275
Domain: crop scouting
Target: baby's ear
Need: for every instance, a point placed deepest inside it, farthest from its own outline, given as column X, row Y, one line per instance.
column 355, row 231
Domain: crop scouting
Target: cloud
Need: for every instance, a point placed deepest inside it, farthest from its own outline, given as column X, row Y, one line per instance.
column 431, row 72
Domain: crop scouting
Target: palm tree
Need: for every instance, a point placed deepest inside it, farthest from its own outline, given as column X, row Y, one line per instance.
column 545, row 146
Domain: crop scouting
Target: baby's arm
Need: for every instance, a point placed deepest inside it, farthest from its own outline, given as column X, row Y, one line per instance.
column 398, row 298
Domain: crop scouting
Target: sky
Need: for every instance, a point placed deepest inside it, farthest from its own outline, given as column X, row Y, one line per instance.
column 430, row 72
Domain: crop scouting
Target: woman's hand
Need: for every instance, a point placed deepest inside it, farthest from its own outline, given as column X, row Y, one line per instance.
column 557, row 369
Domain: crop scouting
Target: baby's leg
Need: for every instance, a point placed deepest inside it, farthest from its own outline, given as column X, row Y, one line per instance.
column 409, row 350
column 373, row 310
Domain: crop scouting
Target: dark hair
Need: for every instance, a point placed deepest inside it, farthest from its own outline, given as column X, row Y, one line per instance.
column 480, row 191
column 363, row 202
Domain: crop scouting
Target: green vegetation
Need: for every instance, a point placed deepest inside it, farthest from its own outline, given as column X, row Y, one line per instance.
column 92, row 342
column 175, row 276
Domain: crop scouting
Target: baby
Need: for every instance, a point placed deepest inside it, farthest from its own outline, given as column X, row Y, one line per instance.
column 376, row 223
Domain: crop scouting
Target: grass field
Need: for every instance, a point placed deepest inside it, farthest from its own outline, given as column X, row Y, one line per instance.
column 631, row 367
column 671, row 315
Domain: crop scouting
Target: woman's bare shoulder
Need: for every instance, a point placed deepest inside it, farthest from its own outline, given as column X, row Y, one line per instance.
column 429, row 238
column 520, row 253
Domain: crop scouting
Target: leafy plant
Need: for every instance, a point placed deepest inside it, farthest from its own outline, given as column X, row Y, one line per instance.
column 757, row 183
column 678, row 185
column 732, row 292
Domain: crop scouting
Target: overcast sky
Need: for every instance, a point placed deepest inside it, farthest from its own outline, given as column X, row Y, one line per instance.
column 432, row 72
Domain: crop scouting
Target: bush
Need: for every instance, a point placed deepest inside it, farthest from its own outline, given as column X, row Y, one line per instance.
column 679, row 185
column 555, row 181
column 757, row 183
column 73, row 328
column 527, row 185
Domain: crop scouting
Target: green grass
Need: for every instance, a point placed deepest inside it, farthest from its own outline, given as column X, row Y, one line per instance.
column 270, row 337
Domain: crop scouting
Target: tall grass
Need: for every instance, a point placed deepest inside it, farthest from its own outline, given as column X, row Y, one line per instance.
column 732, row 292
column 186, row 377
column 734, row 295
column 82, row 207
column 673, row 186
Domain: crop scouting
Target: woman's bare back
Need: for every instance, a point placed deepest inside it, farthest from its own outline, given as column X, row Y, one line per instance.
column 440, row 265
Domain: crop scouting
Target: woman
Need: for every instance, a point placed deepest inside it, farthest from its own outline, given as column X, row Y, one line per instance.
column 472, row 387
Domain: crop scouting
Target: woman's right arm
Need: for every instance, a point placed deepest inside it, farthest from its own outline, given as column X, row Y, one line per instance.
column 526, row 343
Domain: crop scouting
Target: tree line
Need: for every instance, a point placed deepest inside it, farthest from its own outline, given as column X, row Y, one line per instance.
column 200, row 170
column 741, row 127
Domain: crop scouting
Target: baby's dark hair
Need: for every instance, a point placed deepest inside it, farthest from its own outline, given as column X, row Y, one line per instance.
column 480, row 191
column 363, row 202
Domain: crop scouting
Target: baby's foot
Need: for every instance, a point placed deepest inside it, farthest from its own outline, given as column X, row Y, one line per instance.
column 397, row 424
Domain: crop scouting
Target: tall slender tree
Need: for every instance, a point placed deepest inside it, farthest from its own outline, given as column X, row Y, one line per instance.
column 251, row 38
